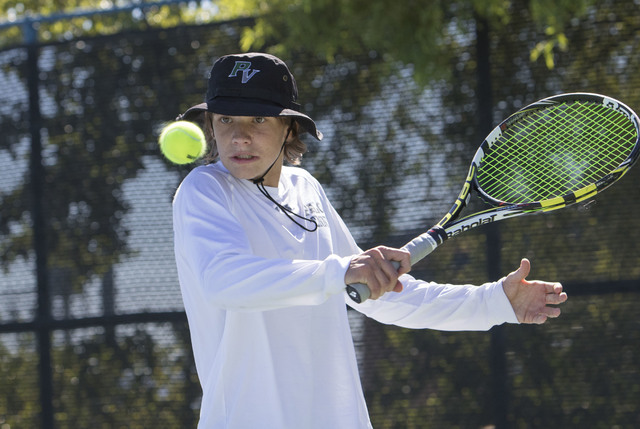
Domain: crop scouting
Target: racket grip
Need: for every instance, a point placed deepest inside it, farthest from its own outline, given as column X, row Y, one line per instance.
column 419, row 248
column 359, row 292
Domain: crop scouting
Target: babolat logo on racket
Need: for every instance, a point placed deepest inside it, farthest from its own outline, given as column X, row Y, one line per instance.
column 474, row 224
column 617, row 106
column 245, row 68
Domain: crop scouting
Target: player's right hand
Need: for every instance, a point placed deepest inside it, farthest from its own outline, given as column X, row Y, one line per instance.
column 375, row 268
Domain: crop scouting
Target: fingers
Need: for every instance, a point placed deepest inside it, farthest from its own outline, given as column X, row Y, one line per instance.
column 403, row 257
column 377, row 269
column 524, row 269
column 539, row 319
column 548, row 312
column 552, row 287
column 386, row 272
column 518, row 276
column 553, row 312
column 554, row 294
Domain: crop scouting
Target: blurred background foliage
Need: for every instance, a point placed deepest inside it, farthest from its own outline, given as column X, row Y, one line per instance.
column 395, row 87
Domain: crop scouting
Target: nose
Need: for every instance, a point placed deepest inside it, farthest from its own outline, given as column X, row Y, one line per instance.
column 241, row 134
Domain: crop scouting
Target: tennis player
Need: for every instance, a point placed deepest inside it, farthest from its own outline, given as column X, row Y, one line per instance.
column 263, row 259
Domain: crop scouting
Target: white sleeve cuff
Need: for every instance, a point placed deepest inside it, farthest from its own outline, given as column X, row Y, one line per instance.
column 504, row 309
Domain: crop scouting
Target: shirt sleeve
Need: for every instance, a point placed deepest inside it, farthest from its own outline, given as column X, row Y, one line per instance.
column 443, row 307
column 215, row 262
column 431, row 305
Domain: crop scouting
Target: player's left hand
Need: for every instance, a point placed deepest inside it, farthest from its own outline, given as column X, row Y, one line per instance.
column 531, row 300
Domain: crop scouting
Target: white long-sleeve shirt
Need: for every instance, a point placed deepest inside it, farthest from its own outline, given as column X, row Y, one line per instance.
column 266, row 307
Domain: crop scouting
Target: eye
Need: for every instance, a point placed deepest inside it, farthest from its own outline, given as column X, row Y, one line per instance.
column 260, row 119
column 225, row 119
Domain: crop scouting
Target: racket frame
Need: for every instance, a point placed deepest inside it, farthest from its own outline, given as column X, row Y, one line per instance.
column 500, row 209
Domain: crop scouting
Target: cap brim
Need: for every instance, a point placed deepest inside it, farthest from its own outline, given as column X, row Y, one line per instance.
column 192, row 113
column 244, row 107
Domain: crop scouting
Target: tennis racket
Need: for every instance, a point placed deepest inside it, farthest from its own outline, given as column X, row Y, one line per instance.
column 548, row 155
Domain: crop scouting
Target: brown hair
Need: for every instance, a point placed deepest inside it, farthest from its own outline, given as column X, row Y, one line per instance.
column 293, row 149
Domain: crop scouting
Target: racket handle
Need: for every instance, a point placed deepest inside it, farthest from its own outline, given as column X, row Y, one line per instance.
column 425, row 243
column 358, row 292
column 419, row 247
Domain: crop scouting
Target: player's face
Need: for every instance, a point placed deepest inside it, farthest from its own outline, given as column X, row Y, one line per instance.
column 248, row 145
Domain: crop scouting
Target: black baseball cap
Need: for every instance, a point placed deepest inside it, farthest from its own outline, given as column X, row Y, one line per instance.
column 252, row 84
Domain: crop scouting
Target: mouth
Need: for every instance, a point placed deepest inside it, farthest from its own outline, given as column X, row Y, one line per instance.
column 243, row 157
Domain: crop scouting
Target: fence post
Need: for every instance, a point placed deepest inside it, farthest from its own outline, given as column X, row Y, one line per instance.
column 492, row 232
column 43, row 316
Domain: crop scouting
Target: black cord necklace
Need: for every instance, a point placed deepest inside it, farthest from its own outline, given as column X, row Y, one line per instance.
column 259, row 182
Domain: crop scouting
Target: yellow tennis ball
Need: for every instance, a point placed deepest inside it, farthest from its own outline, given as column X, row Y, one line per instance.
column 182, row 142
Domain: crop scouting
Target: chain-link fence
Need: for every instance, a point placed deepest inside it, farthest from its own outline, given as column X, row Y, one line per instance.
column 92, row 329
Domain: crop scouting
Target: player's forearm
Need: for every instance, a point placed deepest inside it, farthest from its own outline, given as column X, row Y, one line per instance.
column 443, row 307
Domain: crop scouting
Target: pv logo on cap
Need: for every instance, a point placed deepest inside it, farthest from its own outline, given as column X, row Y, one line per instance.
column 245, row 68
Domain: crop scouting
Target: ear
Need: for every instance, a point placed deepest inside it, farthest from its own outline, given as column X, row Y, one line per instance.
column 208, row 127
column 293, row 129
column 210, row 137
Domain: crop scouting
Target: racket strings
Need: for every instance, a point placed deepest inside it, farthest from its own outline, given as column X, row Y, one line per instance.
column 555, row 151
